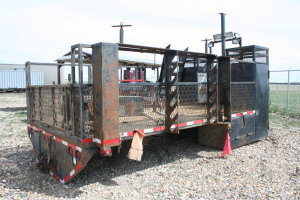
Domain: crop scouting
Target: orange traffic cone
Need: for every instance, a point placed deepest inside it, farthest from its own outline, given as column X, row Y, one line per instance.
column 227, row 146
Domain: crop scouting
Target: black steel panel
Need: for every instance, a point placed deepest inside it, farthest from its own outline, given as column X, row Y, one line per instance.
column 242, row 72
column 242, row 130
column 190, row 74
column 262, row 100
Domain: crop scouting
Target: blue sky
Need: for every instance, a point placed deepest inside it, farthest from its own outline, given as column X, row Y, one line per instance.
column 44, row 30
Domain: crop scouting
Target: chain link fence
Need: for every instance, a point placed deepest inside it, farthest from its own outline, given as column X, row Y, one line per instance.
column 285, row 92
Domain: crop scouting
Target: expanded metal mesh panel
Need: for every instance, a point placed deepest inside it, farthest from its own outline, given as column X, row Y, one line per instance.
column 192, row 102
column 242, row 97
column 142, row 106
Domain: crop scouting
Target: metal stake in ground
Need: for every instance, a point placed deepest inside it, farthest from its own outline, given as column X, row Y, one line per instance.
column 121, row 31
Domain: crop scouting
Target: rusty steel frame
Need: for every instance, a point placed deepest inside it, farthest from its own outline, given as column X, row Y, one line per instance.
column 104, row 83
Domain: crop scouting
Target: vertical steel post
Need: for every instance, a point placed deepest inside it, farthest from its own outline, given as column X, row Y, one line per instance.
column 73, row 64
column 121, row 34
column 58, row 75
column 223, row 32
column 121, row 31
column 28, row 74
column 81, row 96
column 73, row 49
column 288, row 94
column 89, row 74
column 106, row 94
column 28, row 83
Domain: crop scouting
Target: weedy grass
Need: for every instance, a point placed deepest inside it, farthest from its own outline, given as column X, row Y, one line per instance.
column 284, row 121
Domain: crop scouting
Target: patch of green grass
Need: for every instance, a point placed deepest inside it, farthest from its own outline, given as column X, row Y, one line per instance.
column 278, row 99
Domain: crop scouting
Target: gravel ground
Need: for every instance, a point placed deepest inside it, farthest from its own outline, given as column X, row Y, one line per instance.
column 173, row 167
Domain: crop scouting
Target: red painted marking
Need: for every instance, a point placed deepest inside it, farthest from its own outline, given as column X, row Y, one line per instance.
column 199, row 121
column 161, row 128
column 56, row 177
column 67, row 178
column 58, row 139
column 239, row 114
column 77, row 167
column 111, row 141
column 87, row 140
column 71, row 145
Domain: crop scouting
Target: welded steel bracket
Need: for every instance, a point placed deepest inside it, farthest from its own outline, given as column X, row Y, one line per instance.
column 171, row 91
column 212, row 91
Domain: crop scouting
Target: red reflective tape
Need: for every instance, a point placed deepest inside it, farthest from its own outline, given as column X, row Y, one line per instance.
column 161, row 128
column 199, row 121
column 87, row 140
column 67, row 178
column 182, row 124
column 111, row 141
column 48, row 134
column 72, row 146
column 38, row 130
column 249, row 112
column 239, row 114
column 77, row 167
column 131, row 133
column 56, row 177
column 58, row 140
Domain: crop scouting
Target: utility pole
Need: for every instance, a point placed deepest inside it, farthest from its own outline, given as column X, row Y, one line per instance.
column 121, row 31
column 206, row 40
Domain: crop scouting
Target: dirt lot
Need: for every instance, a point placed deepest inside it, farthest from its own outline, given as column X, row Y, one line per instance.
column 171, row 168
